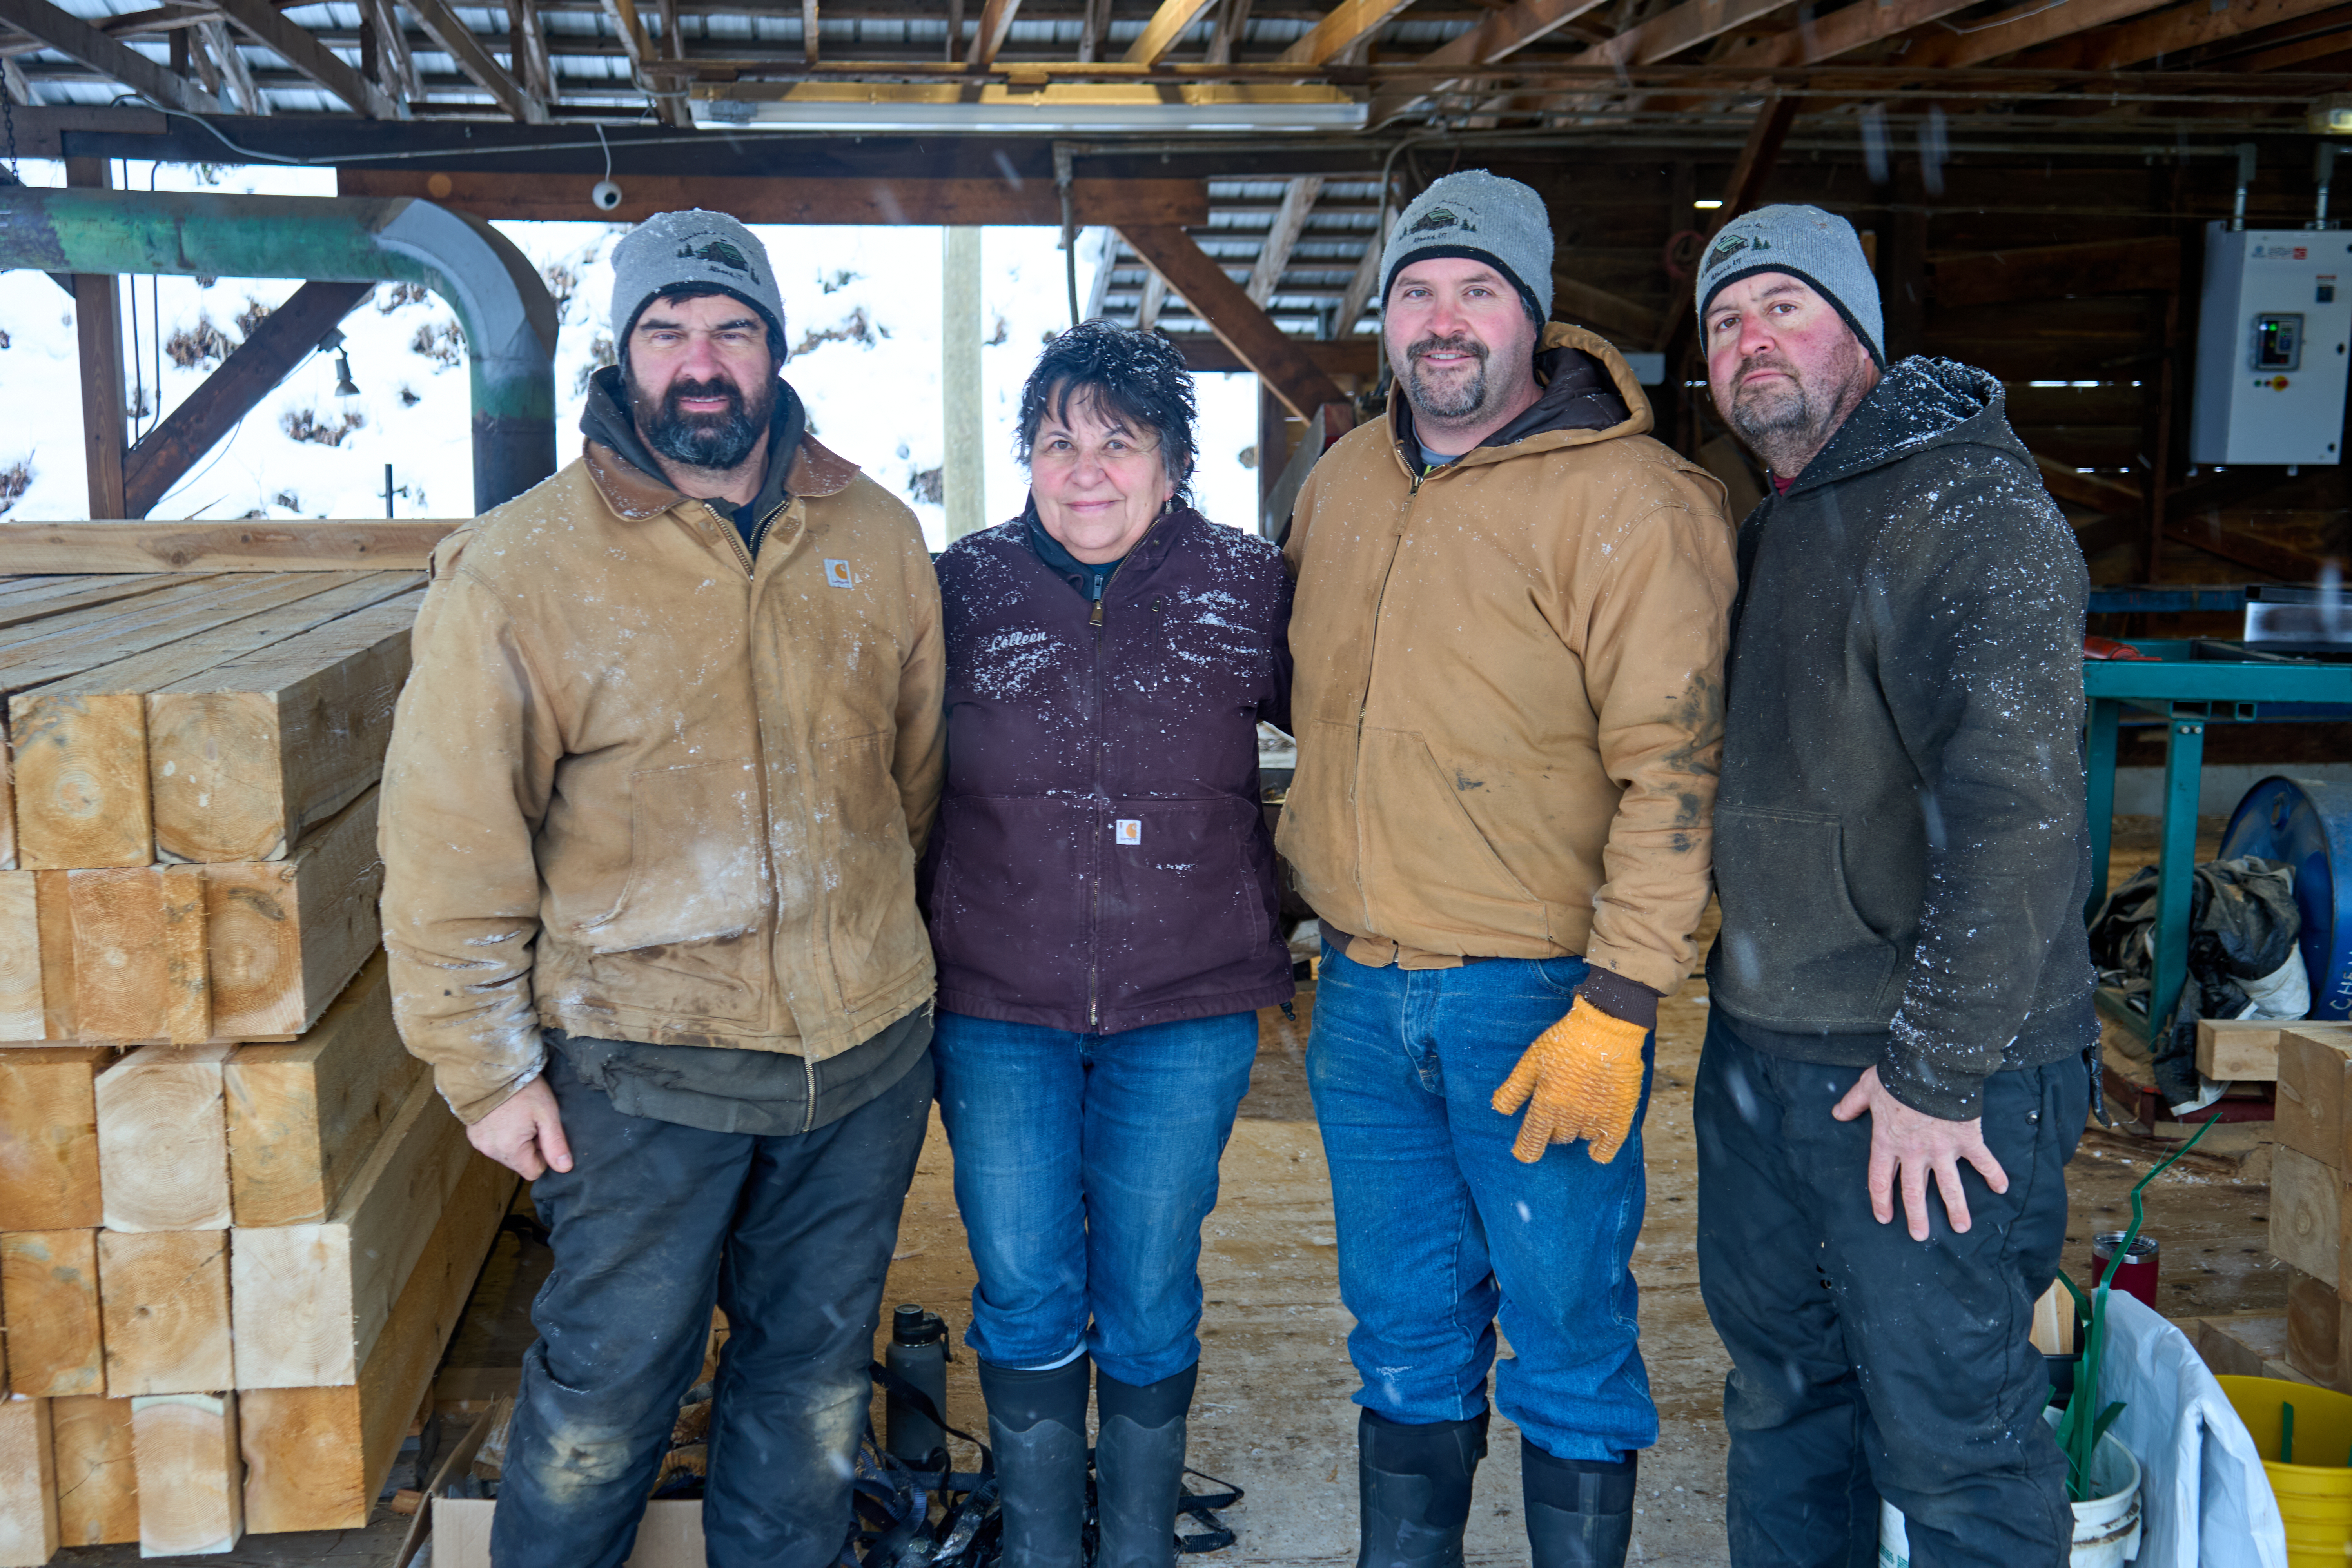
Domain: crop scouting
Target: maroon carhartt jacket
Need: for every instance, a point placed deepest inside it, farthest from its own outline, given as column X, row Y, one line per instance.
column 1101, row 862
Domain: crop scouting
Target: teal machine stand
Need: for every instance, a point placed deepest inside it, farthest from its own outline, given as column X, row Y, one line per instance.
column 2187, row 685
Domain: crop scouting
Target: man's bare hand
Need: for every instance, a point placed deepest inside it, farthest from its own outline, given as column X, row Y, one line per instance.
column 1914, row 1145
column 526, row 1133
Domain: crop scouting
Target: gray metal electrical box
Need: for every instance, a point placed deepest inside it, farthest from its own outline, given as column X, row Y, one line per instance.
column 2272, row 332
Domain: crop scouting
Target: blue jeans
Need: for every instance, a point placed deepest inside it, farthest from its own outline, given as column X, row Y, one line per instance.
column 1441, row 1228
column 1084, row 1166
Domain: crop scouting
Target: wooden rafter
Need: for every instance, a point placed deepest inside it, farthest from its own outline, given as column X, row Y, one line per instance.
column 1359, row 295
column 809, row 36
column 282, row 341
column 443, row 26
column 1160, row 33
column 1232, row 16
column 2020, row 27
column 262, row 22
column 639, row 47
column 1840, row 32
column 222, row 45
column 527, row 34
column 77, row 40
column 396, row 67
column 2167, row 33
column 1282, row 238
column 995, row 22
column 1280, row 361
column 1347, row 22
column 1148, row 303
column 1669, row 33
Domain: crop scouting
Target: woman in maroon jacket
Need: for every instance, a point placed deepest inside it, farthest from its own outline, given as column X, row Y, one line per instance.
column 1102, row 899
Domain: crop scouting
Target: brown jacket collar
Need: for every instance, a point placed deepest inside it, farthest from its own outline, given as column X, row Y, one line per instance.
column 635, row 495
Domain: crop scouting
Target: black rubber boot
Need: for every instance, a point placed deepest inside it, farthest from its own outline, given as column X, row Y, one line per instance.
column 1413, row 1487
column 1037, row 1427
column 1579, row 1512
column 1139, row 1469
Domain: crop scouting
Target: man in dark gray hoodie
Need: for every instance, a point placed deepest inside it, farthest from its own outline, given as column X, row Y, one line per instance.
column 1902, row 988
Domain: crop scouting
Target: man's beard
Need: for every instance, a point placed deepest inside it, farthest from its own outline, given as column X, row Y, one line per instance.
column 712, row 441
column 1786, row 423
column 1468, row 396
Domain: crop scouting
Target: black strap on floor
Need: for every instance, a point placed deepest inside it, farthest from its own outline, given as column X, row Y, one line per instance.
column 895, row 1528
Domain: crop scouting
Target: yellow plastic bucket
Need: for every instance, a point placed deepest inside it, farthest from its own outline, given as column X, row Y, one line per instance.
column 2315, row 1493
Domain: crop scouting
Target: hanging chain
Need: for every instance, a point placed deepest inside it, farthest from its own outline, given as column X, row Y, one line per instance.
column 8, row 113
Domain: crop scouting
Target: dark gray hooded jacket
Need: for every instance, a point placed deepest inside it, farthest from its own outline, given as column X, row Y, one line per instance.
column 1900, row 845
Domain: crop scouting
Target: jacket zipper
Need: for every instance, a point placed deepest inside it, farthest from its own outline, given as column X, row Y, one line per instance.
column 744, row 558
column 1094, row 885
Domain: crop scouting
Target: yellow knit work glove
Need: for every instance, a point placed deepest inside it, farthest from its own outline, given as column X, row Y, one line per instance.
column 1585, row 1075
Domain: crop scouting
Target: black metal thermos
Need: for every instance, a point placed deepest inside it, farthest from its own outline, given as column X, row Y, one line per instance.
column 918, row 1352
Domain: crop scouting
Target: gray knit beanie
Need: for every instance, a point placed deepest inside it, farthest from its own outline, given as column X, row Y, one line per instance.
column 692, row 249
column 1483, row 216
column 1817, row 247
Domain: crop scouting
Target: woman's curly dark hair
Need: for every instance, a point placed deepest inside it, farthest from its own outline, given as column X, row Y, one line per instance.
column 1136, row 378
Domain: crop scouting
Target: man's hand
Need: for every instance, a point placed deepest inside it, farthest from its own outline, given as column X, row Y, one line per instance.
column 525, row 1134
column 1585, row 1075
column 1915, row 1145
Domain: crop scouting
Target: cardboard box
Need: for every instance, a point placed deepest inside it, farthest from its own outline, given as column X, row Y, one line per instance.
column 671, row 1536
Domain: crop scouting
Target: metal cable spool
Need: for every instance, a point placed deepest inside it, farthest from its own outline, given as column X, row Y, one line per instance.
column 2307, row 824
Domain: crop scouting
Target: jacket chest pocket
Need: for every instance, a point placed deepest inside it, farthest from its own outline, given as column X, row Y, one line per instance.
column 697, row 870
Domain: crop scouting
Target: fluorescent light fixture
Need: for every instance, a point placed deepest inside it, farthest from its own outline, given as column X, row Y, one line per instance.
column 1056, row 110
column 1708, row 204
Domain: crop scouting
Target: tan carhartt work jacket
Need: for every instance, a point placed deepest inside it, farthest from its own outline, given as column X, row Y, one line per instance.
column 1509, row 694
column 639, row 790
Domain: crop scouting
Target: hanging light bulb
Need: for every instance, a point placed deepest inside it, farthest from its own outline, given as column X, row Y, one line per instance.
column 333, row 343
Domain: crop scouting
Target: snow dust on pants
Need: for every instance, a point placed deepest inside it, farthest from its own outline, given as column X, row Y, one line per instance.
column 1864, row 1364
column 653, row 1225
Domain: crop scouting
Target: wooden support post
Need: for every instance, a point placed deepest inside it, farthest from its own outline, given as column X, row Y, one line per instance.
column 1228, row 311
column 162, row 1140
column 962, row 484
column 48, row 1135
column 49, row 1299
column 305, row 1116
column 28, row 1485
column 98, row 324
column 283, row 340
column 191, row 1481
column 97, row 1482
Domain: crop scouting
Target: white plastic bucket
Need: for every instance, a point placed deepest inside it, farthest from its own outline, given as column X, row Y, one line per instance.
column 2107, row 1528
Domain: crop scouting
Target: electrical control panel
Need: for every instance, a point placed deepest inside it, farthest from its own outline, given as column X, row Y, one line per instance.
column 2272, row 334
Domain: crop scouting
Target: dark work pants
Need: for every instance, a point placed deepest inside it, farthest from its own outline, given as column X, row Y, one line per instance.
column 1867, row 1364
column 655, row 1223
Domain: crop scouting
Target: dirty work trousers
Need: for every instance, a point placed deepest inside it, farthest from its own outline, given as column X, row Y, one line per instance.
column 653, row 1224
column 1441, row 1229
column 1864, row 1364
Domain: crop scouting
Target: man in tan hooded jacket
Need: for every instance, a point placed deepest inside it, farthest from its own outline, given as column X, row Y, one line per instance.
column 656, row 786
column 1509, row 636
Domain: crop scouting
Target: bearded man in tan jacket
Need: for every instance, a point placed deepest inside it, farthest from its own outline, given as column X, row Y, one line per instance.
column 657, row 783
column 1510, row 637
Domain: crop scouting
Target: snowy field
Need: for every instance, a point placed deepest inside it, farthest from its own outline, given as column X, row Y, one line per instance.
column 863, row 315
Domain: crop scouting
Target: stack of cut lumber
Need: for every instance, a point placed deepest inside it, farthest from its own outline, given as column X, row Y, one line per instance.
column 237, row 1224
column 2308, row 1208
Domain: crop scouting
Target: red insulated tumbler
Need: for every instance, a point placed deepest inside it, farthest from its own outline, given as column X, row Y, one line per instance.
column 2138, row 1275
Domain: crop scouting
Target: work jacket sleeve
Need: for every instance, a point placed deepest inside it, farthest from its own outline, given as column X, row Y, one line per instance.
column 1274, row 707
column 1654, row 646
column 1979, row 650
column 919, row 760
column 466, row 785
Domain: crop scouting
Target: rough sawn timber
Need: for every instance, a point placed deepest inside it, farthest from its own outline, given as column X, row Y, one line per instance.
column 191, row 1483
column 49, row 1138
column 165, row 1294
column 162, row 1140
column 49, row 1301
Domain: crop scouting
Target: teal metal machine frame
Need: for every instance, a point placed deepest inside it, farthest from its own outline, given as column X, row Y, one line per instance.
column 2187, row 684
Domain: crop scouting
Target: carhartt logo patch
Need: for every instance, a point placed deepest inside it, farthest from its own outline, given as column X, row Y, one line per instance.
column 718, row 253
column 1129, row 830
column 838, row 573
